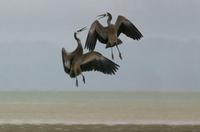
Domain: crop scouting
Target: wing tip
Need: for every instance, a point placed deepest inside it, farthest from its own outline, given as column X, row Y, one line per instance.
column 112, row 67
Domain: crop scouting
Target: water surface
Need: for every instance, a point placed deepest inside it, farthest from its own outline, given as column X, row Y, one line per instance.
column 100, row 107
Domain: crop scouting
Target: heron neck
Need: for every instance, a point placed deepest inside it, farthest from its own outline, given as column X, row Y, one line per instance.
column 79, row 47
column 109, row 20
column 75, row 36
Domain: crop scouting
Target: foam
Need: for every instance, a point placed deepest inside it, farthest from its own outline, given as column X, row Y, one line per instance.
column 66, row 122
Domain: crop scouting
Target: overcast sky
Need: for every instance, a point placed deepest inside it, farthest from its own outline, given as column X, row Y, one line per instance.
column 32, row 34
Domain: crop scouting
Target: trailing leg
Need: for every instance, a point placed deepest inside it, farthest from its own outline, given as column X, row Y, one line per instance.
column 76, row 82
column 120, row 56
column 112, row 53
column 83, row 78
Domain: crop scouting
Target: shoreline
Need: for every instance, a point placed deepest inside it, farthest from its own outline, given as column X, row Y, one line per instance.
column 107, row 123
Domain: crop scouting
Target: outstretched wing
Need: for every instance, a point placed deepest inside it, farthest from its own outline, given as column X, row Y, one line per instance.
column 125, row 26
column 66, row 61
column 97, row 31
column 97, row 62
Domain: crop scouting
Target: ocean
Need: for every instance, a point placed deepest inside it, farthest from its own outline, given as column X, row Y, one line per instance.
column 109, row 107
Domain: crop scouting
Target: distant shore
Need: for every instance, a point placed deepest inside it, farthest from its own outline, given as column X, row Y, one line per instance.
column 97, row 128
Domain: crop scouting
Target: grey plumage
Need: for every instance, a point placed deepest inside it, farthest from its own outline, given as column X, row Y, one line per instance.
column 109, row 35
column 76, row 62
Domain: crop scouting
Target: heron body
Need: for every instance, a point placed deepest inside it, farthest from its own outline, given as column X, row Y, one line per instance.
column 75, row 63
column 109, row 35
column 113, row 40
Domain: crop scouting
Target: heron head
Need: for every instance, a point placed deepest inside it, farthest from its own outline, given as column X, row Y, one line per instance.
column 101, row 16
column 107, row 14
column 82, row 29
column 63, row 50
column 79, row 30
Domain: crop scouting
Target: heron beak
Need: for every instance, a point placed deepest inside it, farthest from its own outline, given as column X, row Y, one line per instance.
column 101, row 16
column 82, row 29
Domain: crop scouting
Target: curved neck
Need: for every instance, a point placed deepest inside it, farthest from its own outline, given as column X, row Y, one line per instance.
column 75, row 36
column 79, row 47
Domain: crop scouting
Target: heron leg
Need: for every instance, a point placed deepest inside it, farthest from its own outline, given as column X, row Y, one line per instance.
column 120, row 55
column 76, row 82
column 112, row 53
column 83, row 78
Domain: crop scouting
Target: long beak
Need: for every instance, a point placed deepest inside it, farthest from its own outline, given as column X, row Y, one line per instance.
column 82, row 29
column 101, row 16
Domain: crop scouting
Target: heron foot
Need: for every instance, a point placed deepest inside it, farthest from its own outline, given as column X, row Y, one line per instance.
column 112, row 53
column 83, row 79
column 113, row 57
column 76, row 82
column 120, row 56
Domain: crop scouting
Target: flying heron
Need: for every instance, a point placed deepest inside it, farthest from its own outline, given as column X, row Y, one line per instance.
column 75, row 63
column 109, row 35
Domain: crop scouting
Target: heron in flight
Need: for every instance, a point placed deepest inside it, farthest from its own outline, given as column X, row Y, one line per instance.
column 75, row 63
column 109, row 35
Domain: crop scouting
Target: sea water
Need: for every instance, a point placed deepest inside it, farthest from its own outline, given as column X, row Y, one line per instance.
column 109, row 107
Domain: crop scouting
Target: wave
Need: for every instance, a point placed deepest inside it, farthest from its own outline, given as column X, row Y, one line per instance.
column 66, row 122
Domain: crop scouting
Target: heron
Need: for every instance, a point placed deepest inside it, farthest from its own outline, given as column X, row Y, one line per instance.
column 75, row 63
column 109, row 35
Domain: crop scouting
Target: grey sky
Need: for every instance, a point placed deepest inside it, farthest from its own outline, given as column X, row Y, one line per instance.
column 32, row 34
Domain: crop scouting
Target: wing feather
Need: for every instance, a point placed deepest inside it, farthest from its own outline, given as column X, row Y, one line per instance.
column 66, row 62
column 96, row 31
column 97, row 62
column 125, row 26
